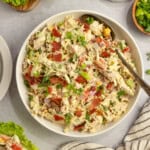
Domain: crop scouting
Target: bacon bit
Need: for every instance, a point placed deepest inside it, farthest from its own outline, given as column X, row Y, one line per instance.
column 92, row 88
column 79, row 127
column 92, row 111
column 56, row 33
column 78, row 113
column 110, row 85
column 58, row 80
column 56, row 57
column 56, row 46
column 105, row 54
column 56, row 100
column 49, row 90
column 80, row 79
column 86, row 27
column 87, row 92
column 125, row 49
column 58, row 118
column 98, row 93
column 94, row 103
column 16, row 147
column 32, row 80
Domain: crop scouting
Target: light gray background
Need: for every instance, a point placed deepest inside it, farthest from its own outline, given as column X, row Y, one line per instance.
column 15, row 27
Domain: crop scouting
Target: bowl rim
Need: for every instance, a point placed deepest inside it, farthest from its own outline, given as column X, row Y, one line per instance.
column 18, row 73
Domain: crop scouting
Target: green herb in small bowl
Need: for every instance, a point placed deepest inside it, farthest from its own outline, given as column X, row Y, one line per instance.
column 22, row 5
column 141, row 15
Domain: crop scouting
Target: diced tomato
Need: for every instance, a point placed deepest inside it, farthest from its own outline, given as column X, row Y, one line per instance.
column 125, row 49
column 16, row 147
column 86, row 27
column 58, row 80
column 58, row 118
column 56, row 46
column 98, row 40
column 94, row 103
column 110, row 85
column 80, row 79
column 105, row 54
column 56, row 57
column 56, row 100
column 78, row 113
column 79, row 127
column 49, row 90
column 56, row 33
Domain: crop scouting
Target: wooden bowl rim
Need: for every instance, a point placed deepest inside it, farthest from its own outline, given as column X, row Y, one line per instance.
column 135, row 20
column 23, row 9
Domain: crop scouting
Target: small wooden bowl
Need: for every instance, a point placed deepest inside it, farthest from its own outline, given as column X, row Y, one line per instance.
column 135, row 20
column 28, row 6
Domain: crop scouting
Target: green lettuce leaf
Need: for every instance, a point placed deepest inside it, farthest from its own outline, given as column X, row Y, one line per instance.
column 12, row 129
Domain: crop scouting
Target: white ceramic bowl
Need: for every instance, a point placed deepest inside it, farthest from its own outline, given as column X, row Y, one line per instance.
column 120, row 32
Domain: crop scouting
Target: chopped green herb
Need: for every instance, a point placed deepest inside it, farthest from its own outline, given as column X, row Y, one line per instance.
column 78, row 91
column 36, row 74
column 104, row 120
column 81, row 40
column 120, row 93
column 122, row 45
column 45, row 81
column 58, row 86
column 69, row 35
column 15, row 2
column 87, row 116
column 30, row 97
column 104, row 107
column 73, row 58
column 147, row 71
column 30, row 53
column 83, row 66
column 71, row 87
column 101, row 87
column 85, row 75
column 68, row 117
column 130, row 83
column 89, row 20
column 143, row 14
column 26, row 83
column 112, row 103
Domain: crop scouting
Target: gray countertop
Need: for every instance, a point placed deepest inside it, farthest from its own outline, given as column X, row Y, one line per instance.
column 15, row 27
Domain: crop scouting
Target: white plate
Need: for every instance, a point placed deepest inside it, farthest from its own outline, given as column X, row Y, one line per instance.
column 121, row 33
column 6, row 66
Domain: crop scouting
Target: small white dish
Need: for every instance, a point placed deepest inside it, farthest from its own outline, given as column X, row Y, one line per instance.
column 120, row 33
column 6, row 66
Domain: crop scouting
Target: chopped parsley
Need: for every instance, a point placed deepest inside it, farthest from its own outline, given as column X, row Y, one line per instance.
column 120, row 93
column 81, row 40
column 68, row 117
column 89, row 20
column 87, row 116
